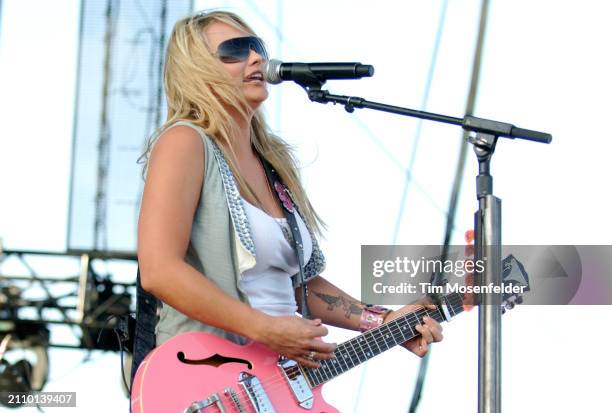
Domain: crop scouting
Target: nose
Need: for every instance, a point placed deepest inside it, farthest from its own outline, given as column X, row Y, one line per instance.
column 255, row 58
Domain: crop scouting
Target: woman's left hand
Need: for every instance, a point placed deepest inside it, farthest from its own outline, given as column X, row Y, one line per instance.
column 430, row 330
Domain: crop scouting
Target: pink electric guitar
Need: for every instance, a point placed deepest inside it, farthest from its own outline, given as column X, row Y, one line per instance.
column 200, row 372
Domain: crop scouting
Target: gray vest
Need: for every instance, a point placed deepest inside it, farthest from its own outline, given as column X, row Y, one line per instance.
column 221, row 245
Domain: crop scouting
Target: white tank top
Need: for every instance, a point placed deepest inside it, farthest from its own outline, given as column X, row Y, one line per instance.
column 268, row 285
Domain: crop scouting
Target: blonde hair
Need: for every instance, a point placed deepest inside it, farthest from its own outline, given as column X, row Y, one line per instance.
column 199, row 89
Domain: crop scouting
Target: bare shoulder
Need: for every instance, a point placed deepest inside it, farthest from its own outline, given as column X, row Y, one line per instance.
column 178, row 142
column 177, row 160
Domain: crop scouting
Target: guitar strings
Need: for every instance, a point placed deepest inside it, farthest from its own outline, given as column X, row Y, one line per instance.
column 272, row 383
column 394, row 327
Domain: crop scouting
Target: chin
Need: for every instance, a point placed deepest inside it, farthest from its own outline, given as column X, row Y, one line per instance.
column 256, row 101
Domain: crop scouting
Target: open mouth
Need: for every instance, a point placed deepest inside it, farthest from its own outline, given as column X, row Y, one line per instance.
column 255, row 76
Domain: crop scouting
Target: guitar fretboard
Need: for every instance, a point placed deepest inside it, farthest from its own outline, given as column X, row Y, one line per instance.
column 359, row 349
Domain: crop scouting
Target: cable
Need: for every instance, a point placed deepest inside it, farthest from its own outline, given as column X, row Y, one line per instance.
column 408, row 172
column 73, row 154
column 160, row 67
column 129, row 388
column 120, row 342
column 100, row 234
column 454, row 199
column 417, row 134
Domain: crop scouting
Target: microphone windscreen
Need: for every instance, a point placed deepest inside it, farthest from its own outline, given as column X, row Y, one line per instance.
column 271, row 71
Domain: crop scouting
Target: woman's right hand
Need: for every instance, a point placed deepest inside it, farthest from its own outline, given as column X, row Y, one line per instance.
column 298, row 339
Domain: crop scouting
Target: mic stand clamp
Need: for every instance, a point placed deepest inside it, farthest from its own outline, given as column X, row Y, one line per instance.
column 323, row 96
column 312, row 85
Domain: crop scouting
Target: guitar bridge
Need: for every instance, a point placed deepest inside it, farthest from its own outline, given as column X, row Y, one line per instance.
column 296, row 381
column 214, row 399
column 260, row 402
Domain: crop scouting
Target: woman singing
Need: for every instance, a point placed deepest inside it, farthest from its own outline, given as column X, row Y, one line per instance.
column 213, row 242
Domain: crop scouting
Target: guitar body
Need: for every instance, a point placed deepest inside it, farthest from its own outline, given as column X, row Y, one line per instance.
column 200, row 367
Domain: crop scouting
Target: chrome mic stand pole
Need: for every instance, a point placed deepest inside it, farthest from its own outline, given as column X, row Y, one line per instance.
column 488, row 249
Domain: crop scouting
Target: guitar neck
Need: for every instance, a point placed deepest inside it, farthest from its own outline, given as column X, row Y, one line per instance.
column 373, row 342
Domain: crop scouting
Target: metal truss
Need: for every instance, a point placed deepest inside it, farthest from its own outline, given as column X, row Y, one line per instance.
column 87, row 300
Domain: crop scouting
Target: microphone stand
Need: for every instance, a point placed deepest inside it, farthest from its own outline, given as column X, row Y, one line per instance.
column 487, row 223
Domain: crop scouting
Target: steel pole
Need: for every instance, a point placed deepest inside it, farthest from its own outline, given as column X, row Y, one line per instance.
column 488, row 236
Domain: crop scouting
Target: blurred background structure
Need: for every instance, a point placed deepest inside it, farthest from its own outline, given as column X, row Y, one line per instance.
column 80, row 91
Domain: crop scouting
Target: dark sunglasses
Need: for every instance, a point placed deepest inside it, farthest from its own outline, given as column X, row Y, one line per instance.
column 238, row 49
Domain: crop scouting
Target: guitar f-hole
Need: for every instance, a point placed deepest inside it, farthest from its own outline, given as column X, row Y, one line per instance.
column 215, row 360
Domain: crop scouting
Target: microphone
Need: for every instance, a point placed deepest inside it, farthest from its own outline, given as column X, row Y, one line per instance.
column 276, row 71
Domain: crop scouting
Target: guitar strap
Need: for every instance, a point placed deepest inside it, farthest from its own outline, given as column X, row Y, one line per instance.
column 142, row 330
column 289, row 210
